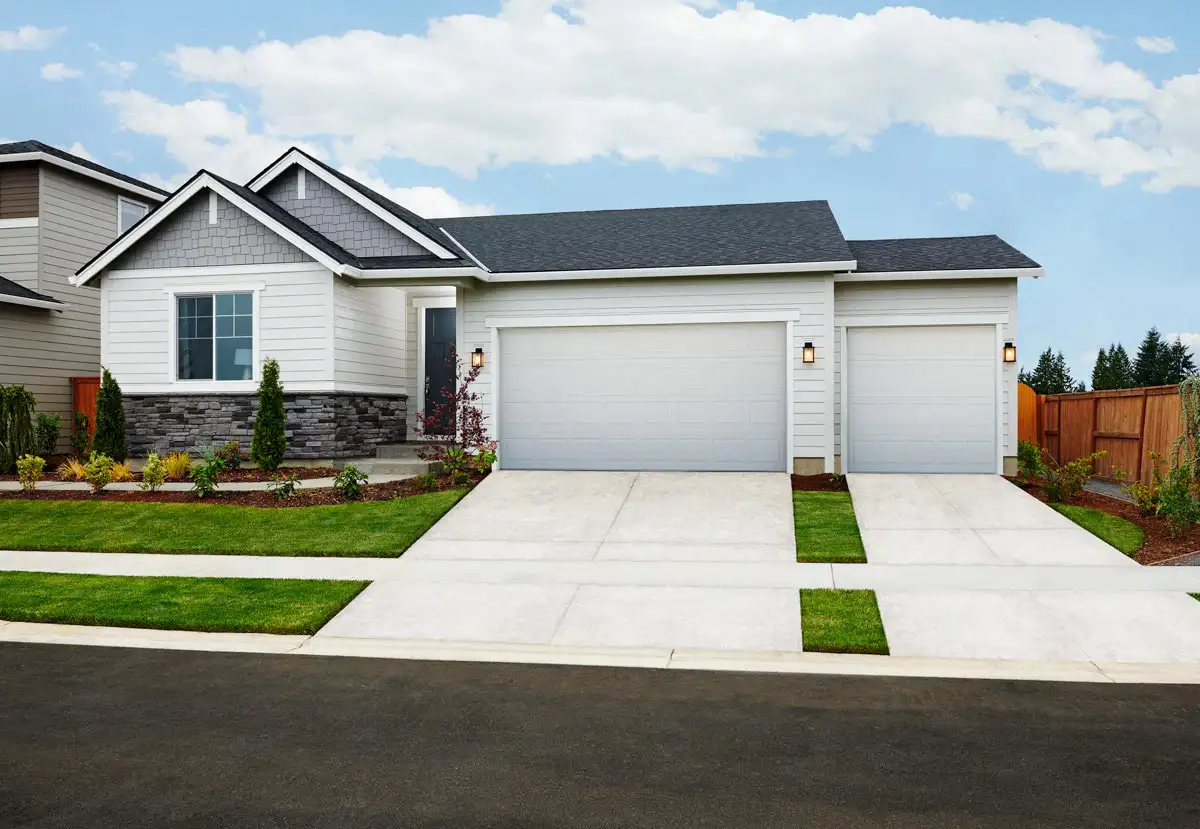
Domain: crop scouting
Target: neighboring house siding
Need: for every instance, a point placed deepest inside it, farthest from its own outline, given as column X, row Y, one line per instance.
column 941, row 298
column 19, row 255
column 187, row 239
column 805, row 293
column 369, row 338
column 18, row 191
column 294, row 317
column 338, row 217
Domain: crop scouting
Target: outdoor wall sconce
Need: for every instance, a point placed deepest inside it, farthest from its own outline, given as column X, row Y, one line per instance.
column 809, row 354
column 1010, row 352
column 477, row 358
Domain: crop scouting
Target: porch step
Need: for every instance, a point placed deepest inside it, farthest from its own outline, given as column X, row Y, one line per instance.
column 388, row 466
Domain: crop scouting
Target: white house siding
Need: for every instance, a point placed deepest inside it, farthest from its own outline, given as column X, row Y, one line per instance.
column 294, row 324
column 804, row 293
column 370, row 338
column 944, row 299
column 19, row 255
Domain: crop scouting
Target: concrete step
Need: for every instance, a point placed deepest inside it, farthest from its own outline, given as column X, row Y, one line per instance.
column 388, row 466
column 399, row 450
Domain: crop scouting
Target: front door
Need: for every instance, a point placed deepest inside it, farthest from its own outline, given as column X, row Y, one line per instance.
column 439, row 367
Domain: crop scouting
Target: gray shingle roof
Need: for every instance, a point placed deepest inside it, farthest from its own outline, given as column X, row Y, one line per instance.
column 660, row 237
column 18, row 147
column 951, row 253
column 12, row 289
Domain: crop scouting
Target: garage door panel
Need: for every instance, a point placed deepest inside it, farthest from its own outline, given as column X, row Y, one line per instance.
column 689, row 397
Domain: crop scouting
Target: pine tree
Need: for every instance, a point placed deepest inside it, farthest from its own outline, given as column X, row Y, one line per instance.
column 270, row 439
column 1120, row 370
column 109, row 437
column 1180, row 363
column 1051, row 375
column 1102, row 371
column 1151, row 365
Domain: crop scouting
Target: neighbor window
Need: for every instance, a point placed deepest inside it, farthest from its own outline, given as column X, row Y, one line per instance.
column 129, row 213
column 216, row 337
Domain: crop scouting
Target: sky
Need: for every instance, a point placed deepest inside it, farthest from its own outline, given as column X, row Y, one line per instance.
column 1069, row 128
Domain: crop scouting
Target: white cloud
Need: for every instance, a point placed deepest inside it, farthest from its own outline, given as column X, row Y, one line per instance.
column 1157, row 45
column 121, row 69
column 59, row 72
column 78, row 149
column 28, row 38
column 962, row 201
column 1192, row 341
column 424, row 201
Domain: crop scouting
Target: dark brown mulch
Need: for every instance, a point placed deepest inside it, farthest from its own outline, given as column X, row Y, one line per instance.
column 304, row 473
column 302, row 498
column 1158, row 547
column 819, row 483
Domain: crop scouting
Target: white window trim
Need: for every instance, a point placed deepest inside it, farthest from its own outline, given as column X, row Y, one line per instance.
column 198, row 386
column 788, row 316
column 126, row 200
column 421, row 303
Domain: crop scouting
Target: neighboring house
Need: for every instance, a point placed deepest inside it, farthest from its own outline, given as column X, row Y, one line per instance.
column 57, row 211
column 730, row 337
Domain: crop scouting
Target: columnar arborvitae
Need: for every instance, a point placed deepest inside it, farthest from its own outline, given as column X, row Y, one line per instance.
column 109, row 437
column 270, row 440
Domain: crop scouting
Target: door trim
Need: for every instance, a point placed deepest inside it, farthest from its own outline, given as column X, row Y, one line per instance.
column 422, row 304
column 788, row 316
column 997, row 321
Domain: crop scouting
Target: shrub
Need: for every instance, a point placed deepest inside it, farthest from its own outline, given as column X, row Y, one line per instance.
column 109, row 438
column 284, row 486
column 71, row 469
column 455, row 463
column 81, row 440
column 230, row 454
column 16, row 426
column 121, row 473
column 206, row 476
column 350, row 481
column 427, row 481
column 178, row 465
column 1065, row 481
column 459, row 420
column 270, row 440
column 29, row 470
column 1146, row 495
column 98, row 471
column 47, row 433
column 1179, row 501
column 154, row 473
column 1030, row 463
column 485, row 458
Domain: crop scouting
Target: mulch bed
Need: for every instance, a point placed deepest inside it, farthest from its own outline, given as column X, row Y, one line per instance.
column 1159, row 546
column 304, row 473
column 324, row 496
column 819, row 483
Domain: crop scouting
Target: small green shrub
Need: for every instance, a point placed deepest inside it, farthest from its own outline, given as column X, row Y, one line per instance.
column 109, row 438
column 81, row 441
column 154, row 473
column 17, row 438
column 1030, row 463
column 350, row 481
column 46, row 430
column 1065, row 481
column 1146, row 495
column 269, row 443
column 284, row 486
column 206, row 476
column 29, row 471
column 485, row 458
column 98, row 471
column 230, row 454
column 1179, row 501
column 455, row 463
column 427, row 482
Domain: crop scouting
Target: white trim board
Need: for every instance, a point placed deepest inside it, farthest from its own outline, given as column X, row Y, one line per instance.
column 173, row 293
column 422, row 304
column 251, row 387
column 214, row 270
column 981, row 273
column 905, row 320
column 688, row 270
column 8, row 299
column 32, row 221
column 88, row 172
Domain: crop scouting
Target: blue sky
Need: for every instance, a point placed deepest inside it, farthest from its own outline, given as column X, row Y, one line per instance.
column 1044, row 122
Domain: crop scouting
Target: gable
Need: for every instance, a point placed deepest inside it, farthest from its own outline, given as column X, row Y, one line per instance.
column 188, row 239
column 338, row 217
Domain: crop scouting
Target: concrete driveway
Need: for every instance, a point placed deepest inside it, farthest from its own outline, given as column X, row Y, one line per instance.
column 648, row 517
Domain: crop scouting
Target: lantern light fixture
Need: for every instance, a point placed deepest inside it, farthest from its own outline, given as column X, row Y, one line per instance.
column 477, row 358
column 809, row 354
column 1010, row 352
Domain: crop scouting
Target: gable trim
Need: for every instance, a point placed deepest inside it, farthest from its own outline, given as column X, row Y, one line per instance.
column 49, row 304
column 305, row 163
column 980, row 273
column 87, row 172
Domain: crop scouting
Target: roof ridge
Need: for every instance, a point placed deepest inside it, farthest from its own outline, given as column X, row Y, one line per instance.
column 928, row 238
column 637, row 209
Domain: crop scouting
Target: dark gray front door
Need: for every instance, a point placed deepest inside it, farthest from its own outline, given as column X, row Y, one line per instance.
column 439, row 370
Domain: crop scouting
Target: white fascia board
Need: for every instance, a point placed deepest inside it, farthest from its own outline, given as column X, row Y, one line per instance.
column 88, row 172
column 392, row 274
column 296, row 157
column 981, row 273
column 33, row 303
column 181, row 197
column 689, row 270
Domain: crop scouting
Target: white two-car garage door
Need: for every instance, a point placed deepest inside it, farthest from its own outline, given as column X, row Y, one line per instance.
column 707, row 397
column 922, row 399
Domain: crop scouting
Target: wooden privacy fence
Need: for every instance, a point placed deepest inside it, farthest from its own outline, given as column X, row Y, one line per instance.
column 83, row 396
column 1128, row 424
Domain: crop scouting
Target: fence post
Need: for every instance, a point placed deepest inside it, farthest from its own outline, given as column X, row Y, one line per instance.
column 1142, row 436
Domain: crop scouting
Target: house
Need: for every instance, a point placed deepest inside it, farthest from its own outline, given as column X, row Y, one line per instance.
column 57, row 211
column 726, row 337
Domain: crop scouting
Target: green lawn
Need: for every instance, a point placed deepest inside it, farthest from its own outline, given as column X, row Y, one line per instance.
column 842, row 621
column 173, row 603
column 826, row 529
column 376, row 528
column 1124, row 535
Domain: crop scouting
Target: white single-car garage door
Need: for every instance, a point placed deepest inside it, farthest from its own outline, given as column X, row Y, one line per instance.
column 705, row 397
column 922, row 399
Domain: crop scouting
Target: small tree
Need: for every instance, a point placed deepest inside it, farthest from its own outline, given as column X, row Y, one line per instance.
column 269, row 443
column 109, row 438
column 457, row 419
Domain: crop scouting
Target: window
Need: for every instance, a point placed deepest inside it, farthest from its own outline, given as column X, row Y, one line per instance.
column 129, row 213
column 216, row 337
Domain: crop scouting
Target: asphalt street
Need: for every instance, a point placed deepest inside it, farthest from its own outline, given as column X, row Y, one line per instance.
column 132, row 738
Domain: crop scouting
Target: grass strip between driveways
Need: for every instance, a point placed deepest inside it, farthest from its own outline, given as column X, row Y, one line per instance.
column 375, row 528
column 173, row 602
column 826, row 530
column 1126, row 536
column 841, row 621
